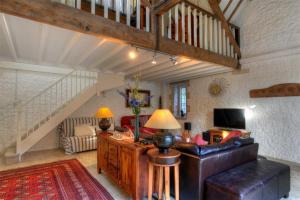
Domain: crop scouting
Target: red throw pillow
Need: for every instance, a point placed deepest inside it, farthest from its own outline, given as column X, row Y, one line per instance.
column 232, row 134
column 198, row 140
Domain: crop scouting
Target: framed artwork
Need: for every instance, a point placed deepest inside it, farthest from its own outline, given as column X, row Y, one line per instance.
column 145, row 97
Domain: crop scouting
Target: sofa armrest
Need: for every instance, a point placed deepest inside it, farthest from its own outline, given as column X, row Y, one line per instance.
column 79, row 143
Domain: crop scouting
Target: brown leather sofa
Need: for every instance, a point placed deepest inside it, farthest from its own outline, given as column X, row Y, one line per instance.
column 197, row 165
column 212, row 172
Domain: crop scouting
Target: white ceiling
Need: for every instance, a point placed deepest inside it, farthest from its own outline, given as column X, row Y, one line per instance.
column 26, row 41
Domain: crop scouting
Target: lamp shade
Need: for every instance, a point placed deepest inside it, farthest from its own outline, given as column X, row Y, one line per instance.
column 162, row 119
column 104, row 112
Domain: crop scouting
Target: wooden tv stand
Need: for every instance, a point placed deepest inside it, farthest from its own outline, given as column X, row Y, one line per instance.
column 125, row 162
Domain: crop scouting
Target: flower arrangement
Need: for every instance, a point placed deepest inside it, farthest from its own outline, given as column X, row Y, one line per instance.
column 135, row 102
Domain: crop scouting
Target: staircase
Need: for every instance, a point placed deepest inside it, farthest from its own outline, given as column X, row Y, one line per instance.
column 35, row 118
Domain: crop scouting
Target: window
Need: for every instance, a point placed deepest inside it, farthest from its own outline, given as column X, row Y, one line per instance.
column 179, row 100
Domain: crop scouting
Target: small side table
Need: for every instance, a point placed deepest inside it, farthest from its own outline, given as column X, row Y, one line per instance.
column 163, row 162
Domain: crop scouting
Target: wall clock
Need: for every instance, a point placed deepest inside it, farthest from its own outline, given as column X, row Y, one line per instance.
column 218, row 87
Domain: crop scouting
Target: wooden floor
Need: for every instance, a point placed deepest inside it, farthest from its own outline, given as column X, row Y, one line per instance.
column 88, row 159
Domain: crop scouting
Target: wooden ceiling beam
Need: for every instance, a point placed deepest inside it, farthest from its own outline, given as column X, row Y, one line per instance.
column 172, row 68
column 188, row 74
column 144, row 67
column 168, row 65
column 181, row 49
column 234, row 11
column 107, row 56
column 225, row 25
column 8, row 37
column 227, row 6
column 57, row 14
column 176, row 71
column 199, row 74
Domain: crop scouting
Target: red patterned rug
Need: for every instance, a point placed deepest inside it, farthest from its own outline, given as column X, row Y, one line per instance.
column 66, row 179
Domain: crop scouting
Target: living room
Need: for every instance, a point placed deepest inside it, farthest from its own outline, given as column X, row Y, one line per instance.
column 72, row 97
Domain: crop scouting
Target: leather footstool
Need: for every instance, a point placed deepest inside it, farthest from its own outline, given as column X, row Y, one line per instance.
column 256, row 180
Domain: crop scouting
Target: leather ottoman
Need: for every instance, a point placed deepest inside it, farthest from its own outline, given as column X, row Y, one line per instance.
column 256, row 180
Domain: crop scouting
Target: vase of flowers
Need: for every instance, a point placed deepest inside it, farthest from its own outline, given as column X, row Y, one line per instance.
column 135, row 102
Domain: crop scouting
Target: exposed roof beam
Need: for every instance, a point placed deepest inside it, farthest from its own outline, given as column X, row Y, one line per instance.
column 188, row 73
column 90, row 51
column 34, row 68
column 227, row 6
column 171, row 68
column 8, row 38
column 215, row 7
column 144, row 63
column 144, row 68
column 68, row 47
column 190, row 68
column 43, row 38
column 235, row 9
column 168, row 64
column 107, row 56
column 141, row 55
column 199, row 74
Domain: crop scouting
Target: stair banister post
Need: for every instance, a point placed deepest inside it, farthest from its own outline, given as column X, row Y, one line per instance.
column 19, row 136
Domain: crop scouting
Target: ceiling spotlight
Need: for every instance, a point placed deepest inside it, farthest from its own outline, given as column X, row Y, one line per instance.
column 132, row 54
column 173, row 59
column 154, row 59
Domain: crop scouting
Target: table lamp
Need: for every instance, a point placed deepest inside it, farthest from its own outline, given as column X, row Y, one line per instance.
column 163, row 120
column 104, row 114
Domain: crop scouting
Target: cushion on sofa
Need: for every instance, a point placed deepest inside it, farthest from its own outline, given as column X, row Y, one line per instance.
column 187, row 148
column 84, row 129
column 232, row 134
column 201, row 150
column 198, row 140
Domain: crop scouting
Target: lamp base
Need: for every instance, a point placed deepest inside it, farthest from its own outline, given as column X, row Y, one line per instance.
column 104, row 124
column 163, row 141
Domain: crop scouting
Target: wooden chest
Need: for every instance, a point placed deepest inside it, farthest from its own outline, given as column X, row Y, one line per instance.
column 125, row 162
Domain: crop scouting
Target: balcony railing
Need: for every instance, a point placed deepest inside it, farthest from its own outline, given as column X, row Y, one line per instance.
column 189, row 24
column 130, row 12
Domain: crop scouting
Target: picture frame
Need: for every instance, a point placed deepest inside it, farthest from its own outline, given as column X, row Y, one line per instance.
column 145, row 96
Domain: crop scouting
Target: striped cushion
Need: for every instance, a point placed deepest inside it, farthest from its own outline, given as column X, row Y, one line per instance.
column 67, row 126
column 73, row 144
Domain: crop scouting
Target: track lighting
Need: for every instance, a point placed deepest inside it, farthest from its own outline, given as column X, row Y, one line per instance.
column 173, row 59
column 154, row 59
column 133, row 54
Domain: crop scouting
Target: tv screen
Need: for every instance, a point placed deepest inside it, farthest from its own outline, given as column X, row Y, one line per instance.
column 229, row 118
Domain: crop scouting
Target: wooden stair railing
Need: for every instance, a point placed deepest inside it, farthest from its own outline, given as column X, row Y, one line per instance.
column 214, row 4
column 197, row 28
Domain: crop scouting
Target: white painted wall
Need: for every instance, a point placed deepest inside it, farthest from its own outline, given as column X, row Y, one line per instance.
column 266, row 27
column 26, row 84
column 116, row 102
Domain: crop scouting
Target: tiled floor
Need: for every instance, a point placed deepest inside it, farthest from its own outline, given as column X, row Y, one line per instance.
column 88, row 159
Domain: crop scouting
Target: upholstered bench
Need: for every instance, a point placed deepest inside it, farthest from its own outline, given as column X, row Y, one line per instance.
column 256, row 180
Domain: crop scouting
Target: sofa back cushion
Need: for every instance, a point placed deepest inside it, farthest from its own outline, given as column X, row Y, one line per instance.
column 67, row 127
column 84, row 130
column 126, row 120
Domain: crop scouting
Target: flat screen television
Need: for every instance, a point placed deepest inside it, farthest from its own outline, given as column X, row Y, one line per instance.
column 231, row 118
